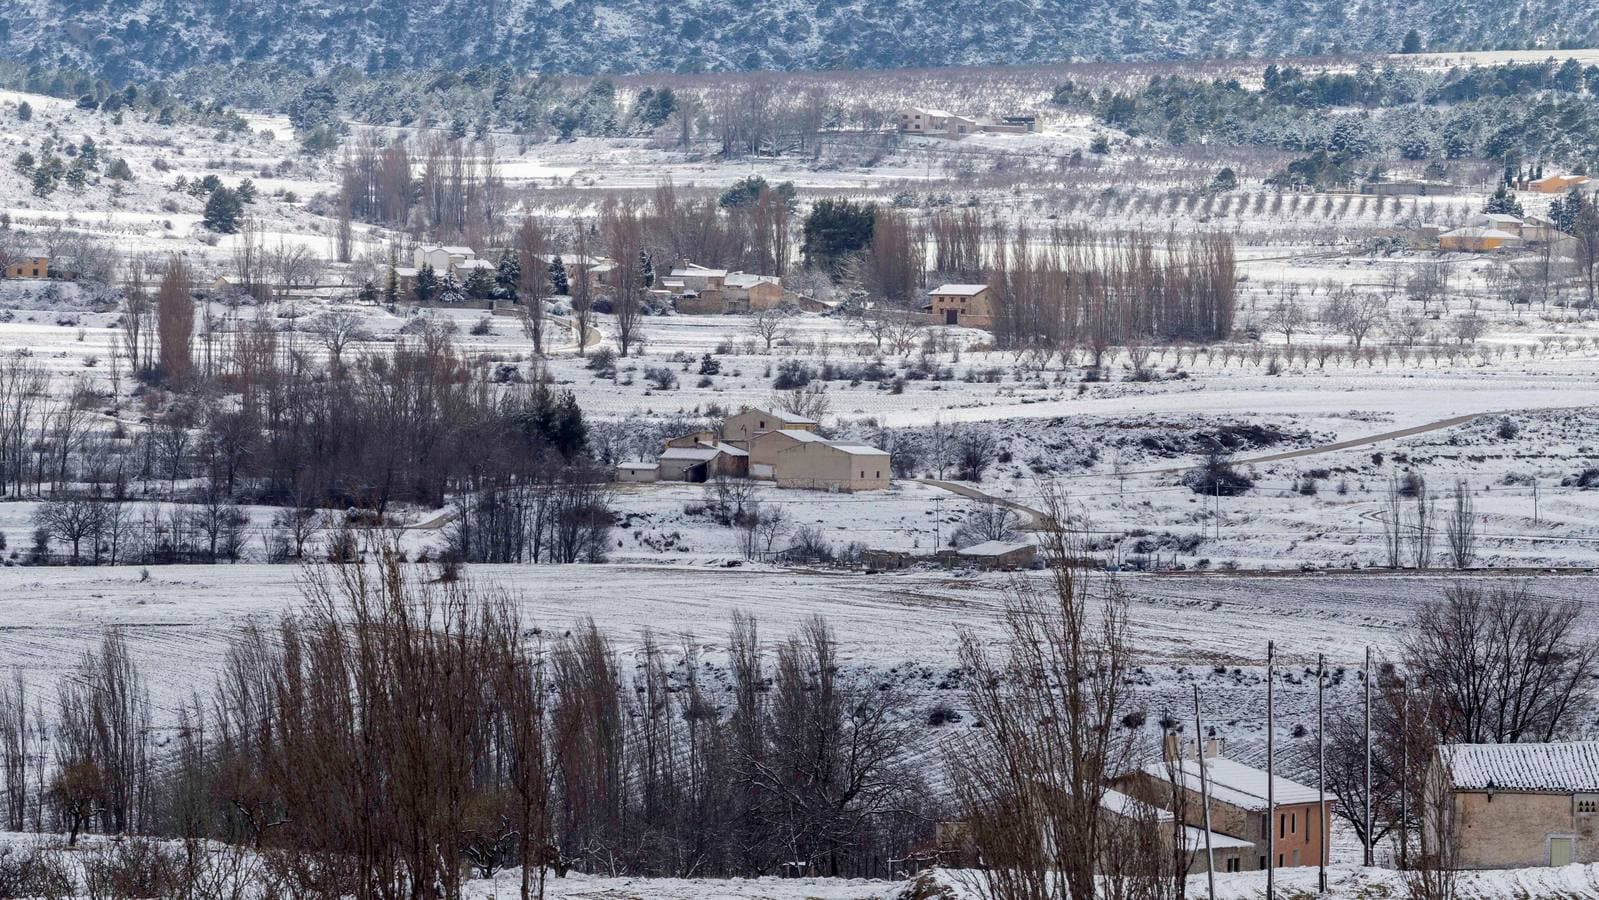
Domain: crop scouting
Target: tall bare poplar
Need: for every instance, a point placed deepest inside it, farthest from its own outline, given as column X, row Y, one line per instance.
column 174, row 302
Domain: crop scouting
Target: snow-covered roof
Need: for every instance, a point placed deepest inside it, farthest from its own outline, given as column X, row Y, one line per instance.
column 730, row 450
column 475, row 264
column 406, row 271
column 1496, row 219
column 693, row 271
column 1234, row 783
column 746, row 280
column 698, row 454
column 960, row 290
column 856, row 449
column 458, row 251
column 1565, row 767
column 931, row 113
column 1479, row 231
column 798, row 436
column 1120, row 804
column 638, row 466
column 994, row 548
column 786, row 418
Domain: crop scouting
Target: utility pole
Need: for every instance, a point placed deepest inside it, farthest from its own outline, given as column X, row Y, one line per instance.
column 1535, row 499
column 1404, row 779
column 1204, row 796
column 1366, row 818
column 1216, row 514
column 1271, row 777
column 1321, row 770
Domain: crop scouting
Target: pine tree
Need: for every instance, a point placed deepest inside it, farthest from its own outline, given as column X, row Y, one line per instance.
column 368, row 292
column 427, row 283
column 246, row 191
column 391, row 290
column 559, row 283
column 507, row 274
column 480, row 285
column 1503, row 203
column 1412, row 42
column 222, row 211
column 25, row 111
column 647, row 268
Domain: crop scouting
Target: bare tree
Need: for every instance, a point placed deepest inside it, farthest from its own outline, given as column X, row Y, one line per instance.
column 624, row 240
column 1460, row 529
column 770, row 325
column 1288, row 316
column 534, row 289
column 810, row 402
column 1503, row 665
column 989, row 520
column 1423, row 525
column 175, row 320
column 336, row 330
column 1031, row 781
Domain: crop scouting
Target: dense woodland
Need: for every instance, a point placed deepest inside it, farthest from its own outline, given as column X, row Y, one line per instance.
column 1518, row 114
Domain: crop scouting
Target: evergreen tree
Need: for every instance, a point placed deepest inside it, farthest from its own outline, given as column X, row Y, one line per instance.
column 391, row 290
column 507, row 274
column 89, row 152
column 835, row 230
column 427, row 283
column 25, row 111
column 480, row 285
column 646, row 267
column 77, row 175
column 450, row 289
column 24, row 163
column 119, row 170
column 368, row 292
column 223, row 211
column 559, row 284
column 246, row 191
column 1411, row 43
column 1503, row 203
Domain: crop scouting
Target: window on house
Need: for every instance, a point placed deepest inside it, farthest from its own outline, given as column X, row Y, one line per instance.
column 1233, row 864
column 1293, row 823
column 1265, row 831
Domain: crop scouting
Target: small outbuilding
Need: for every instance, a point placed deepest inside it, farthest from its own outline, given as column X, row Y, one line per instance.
column 1001, row 555
column 638, row 472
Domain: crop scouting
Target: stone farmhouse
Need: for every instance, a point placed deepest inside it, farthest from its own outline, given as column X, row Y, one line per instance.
column 768, row 446
column 971, row 305
column 1500, row 806
column 700, row 290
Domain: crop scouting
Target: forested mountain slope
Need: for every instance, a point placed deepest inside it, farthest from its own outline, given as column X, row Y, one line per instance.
column 136, row 39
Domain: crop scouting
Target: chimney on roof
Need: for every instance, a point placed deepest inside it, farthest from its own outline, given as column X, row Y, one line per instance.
column 1215, row 748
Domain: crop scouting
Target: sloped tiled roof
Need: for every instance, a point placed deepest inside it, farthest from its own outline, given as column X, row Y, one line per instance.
column 1236, row 784
column 1562, row 767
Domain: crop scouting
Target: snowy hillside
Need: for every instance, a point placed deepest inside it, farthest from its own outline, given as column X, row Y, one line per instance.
column 142, row 38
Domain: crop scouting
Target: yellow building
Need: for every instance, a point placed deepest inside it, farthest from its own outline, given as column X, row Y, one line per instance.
column 30, row 267
column 971, row 305
column 1556, row 184
column 1476, row 239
